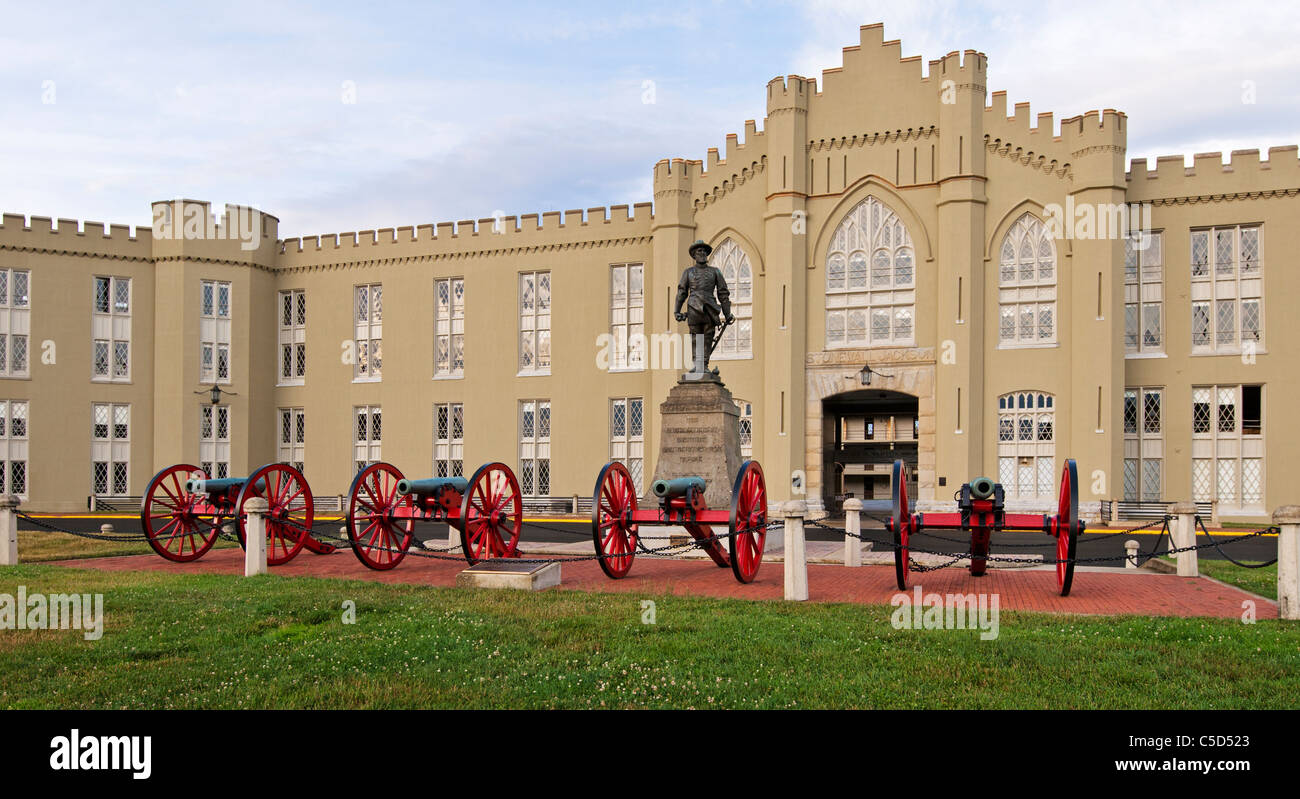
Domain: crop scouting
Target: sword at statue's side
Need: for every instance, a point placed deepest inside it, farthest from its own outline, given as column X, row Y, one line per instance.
column 718, row 338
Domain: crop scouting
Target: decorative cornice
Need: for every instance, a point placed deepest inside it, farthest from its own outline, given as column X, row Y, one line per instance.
column 865, row 139
column 1097, row 148
column 1266, row 194
column 469, row 254
column 1036, row 161
column 80, row 253
column 876, row 357
column 755, row 169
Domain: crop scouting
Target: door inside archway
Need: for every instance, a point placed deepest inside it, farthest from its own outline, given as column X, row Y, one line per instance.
column 864, row 432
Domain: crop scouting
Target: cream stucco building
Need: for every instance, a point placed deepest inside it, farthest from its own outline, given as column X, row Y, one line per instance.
column 892, row 216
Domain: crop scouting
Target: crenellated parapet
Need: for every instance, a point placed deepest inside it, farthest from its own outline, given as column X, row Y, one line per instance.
column 1094, row 142
column 1243, row 175
column 72, row 237
column 191, row 230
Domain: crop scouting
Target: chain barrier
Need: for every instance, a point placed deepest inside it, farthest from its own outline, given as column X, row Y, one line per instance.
column 116, row 537
column 1201, row 525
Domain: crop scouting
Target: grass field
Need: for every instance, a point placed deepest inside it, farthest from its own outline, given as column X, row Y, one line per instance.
column 35, row 546
column 208, row 641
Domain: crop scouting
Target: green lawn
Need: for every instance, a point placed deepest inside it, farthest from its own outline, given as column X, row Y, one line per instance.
column 183, row 641
column 35, row 546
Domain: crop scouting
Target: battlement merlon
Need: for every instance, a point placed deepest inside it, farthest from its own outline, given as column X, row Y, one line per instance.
column 1209, row 175
column 69, row 235
column 790, row 93
column 190, row 229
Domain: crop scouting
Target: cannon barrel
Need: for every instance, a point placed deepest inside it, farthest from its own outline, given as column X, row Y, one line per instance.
column 981, row 488
column 677, row 487
column 219, row 486
column 433, row 486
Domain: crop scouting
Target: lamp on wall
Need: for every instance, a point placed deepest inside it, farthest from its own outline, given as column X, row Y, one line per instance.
column 214, row 394
column 864, row 376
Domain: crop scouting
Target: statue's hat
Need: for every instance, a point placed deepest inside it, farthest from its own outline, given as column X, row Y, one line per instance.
column 699, row 245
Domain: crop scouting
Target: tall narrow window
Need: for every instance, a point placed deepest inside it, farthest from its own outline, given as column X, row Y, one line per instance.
column 1027, row 285
column 13, row 447
column 1227, row 289
column 110, row 450
column 214, row 440
column 1143, row 444
column 535, row 448
column 449, row 327
column 627, row 316
column 110, row 329
column 746, row 424
column 1144, row 294
column 368, row 310
column 292, row 446
column 369, row 435
column 293, row 337
column 627, row 436
column 737, row 341
column 535, row 322
column 15, row 322
column 214, row 331
column 870, row 279
column 1027, row 445
column 449, row 440
column 1228, row 446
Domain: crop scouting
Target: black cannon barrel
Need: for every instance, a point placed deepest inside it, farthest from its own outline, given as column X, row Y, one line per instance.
column 677, row 487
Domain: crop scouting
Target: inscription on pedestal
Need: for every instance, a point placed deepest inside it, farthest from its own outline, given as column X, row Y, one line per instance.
column 700, row 438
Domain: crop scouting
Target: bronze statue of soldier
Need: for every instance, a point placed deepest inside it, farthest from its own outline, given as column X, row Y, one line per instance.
column 697, row 289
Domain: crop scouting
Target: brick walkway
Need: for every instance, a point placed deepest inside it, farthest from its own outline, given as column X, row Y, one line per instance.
column 1111, row 591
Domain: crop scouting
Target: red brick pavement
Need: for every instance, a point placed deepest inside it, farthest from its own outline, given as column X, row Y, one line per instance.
column 1118, row 592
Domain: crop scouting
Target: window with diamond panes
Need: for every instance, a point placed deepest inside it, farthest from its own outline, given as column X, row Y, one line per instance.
column 1144, row 293
column 214, row 331
column 627, row 316
column 110, row 450
column 1228, row 446
column 746, row 425
column 368, row 336
column 627, row 436
column 1227, row 289
column 292, row 312
column 535, row 448
column 15, row 322
column 292, row 445
column 110, row 329
column 13, row 447
column 870, row 279
column 368, row 435
column 738, row 339
column 214, row 440
column 1027, row 445
column 1143, row 444
column 449, row 327
column 535, row 322
column 1027, row 285
column 449, row 440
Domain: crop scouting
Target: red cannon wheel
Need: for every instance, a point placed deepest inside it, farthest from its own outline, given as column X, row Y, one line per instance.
column 380, row 523
column 747, row 531
column 612, row 504
column 900, row 522
column 491, row 514
column 1067, row 527
column 179, row 525
column 290, row 513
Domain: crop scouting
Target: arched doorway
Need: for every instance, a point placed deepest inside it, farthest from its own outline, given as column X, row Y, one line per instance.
column 863, row 433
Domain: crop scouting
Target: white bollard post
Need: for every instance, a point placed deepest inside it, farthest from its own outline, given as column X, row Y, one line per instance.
column 1287, row 518
column 255, row 536
column 1183, row 533
column 8, row 530
column 852, row 532
column 106, row 529
column 1131, row 553
column 796, row 556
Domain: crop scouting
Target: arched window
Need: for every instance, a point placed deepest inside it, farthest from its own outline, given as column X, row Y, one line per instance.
column 1027, row 285
column 1027, row 444
column 737, row 342
column 870, row 279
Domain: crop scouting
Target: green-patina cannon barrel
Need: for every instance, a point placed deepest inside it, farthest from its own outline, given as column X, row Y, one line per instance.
column 677, row 487
column 219, row 486
column 981, row 488
column 433, row 486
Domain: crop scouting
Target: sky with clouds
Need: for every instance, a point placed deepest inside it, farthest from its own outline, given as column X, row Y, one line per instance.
column 465, row 109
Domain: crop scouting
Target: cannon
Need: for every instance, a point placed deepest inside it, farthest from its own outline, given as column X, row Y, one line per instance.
column 183, row 511
column 980, row 513
column 383, row 507
column 615, row 518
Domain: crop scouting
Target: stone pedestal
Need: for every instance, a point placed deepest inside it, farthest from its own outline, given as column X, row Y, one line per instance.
column 699, row 437
column 507, row 573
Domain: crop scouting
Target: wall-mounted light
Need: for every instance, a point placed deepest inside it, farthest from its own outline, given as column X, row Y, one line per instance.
column 214, row 394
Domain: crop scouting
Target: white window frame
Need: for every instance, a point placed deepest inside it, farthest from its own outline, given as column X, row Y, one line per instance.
column 745, row 423
column 737, row 342
column 214, row 445
column 627, row 317
column 870, row 280
column 367, row 435
column 368, row 336
column 535, row 323
column 1028, row 269
column 216, row 299
column 1144, row 297
column 112, row 449
column 291, row 322
column 1037, row 450
column 1231, row 456
column 535, row 447
column 449, row 327
column 1144, row 444
column 14, row 440
column 627, row 436
column 449, row 439
column 15, row 323
column 1233, row 283
column 110, row 326
column 291, row 438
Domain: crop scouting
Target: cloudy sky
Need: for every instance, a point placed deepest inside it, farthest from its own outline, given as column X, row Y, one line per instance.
column 464, row 109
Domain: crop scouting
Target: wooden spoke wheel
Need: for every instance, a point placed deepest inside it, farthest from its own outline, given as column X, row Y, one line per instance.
column 900, row 523
column 289, row 515
column 612, row 504
column 491, row 514
column 380, row 523
column 747, row 531
column 1068, row 527
column 179, row 525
